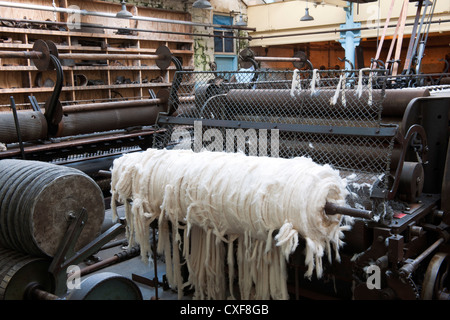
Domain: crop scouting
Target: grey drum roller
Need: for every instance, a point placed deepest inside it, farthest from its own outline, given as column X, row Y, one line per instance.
column 106, row 286
column 38, row 201
column 394, row 102
column 33, row 126
column 19, row 271
column 108, row 119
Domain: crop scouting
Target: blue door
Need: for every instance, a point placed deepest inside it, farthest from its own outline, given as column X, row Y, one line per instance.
column 226, row 62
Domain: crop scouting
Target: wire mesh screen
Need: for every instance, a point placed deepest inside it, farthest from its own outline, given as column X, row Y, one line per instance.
column 332, row 117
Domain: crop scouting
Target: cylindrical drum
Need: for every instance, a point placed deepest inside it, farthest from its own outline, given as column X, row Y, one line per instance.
column 108, row 119
column 18, row 271
column 394, row 101
column 38, row 201
column 32, row 124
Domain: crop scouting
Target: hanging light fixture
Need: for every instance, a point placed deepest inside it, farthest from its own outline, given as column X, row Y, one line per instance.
column 306, row 17
column 202, row 4
column 124, row 13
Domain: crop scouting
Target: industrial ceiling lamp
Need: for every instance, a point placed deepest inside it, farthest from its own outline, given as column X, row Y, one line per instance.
column 202, row 4
column 124, row 13
column 306, row 17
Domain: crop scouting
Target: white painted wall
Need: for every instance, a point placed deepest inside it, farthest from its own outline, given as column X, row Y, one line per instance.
column 284, row 18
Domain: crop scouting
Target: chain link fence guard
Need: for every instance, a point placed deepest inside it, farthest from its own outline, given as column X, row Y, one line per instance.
column 332, row 117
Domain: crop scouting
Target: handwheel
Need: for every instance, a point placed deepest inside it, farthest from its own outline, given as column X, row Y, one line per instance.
column 436, row 277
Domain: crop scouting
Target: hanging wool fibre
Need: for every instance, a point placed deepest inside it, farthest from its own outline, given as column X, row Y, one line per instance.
column 221, row 202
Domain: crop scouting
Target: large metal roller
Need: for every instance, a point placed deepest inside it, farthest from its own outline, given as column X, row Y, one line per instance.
column 26, row 277
column 99, row 120
column 18, row 272
column 362, row 156
column 33, row 126
column 38, row 201
column 98, row 117
column 394, row 102
column 84, row 118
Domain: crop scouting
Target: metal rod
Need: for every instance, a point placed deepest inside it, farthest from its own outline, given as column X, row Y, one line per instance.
column 97, row 266
column 90, row 13
column 109, row 56
column 427, row 252
column 410, row 267
column 155, row 261
column 117, row 243
column 116, row 258
column 87, row 25
column 105, row 173
column 118, row 104
column 424, row 39
column 39, row 294
column 21, row 54
column 334, row 31
column 278, row 59
column 80, row 56
column 73, row 11
column 110, row 105
column 303, row 128
column 332, row 209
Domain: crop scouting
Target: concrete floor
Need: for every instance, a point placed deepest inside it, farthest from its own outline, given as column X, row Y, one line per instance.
column 133, row 268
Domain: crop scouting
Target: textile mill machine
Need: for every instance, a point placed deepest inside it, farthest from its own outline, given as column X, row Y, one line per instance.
column 46, row 151
column 63, row 134
column 391, row 145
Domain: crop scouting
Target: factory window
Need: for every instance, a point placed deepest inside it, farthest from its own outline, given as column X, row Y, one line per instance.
column 223, row 42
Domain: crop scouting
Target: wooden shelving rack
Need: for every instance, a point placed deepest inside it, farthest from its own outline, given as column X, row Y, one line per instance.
column 101, row 80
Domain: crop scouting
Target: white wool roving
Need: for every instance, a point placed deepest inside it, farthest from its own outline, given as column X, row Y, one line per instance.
column 233, row 211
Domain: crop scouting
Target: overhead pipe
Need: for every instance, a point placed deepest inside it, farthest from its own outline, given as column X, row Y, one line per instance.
column 82, row 56
column 88, row 25
column 335, row 31
column 107, row 15
column 121, row 104
column 112, row 15
column 248, row 58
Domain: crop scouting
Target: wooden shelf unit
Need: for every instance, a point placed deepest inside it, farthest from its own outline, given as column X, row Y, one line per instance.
column 108, row 80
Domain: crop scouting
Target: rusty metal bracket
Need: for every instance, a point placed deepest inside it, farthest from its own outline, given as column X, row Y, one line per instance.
column 66, row 255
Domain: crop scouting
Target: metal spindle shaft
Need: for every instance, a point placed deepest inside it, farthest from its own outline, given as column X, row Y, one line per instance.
column 278, row 59
column 332, row 209
column 80, row 56
column 21, row 54
column 108, row 56
column 39, row 294
column 410, row 267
